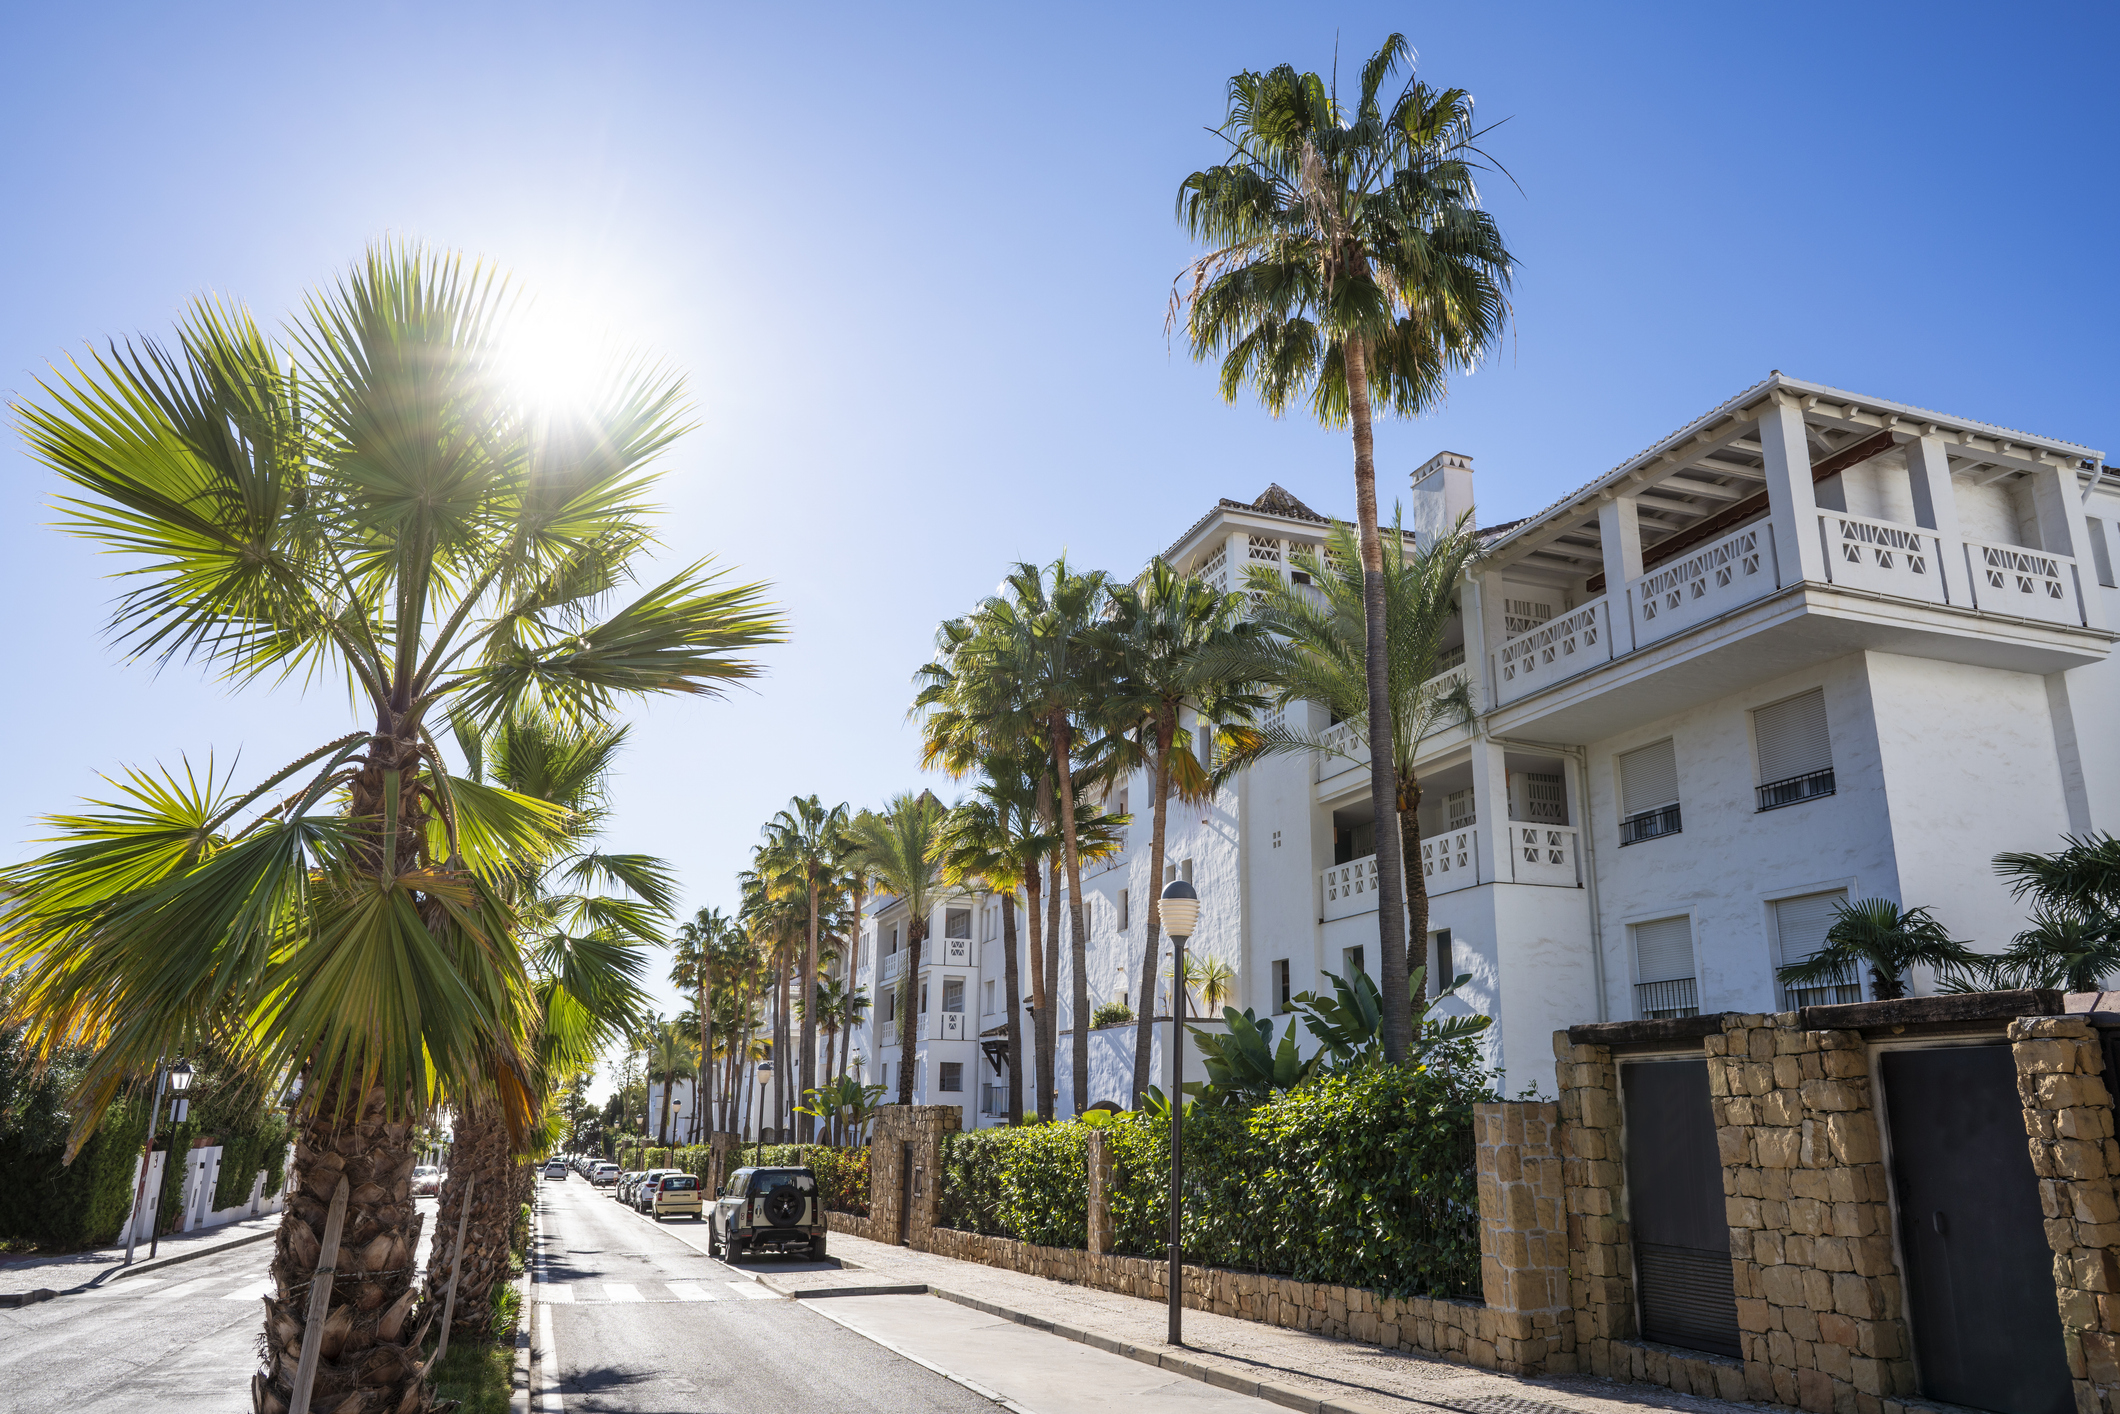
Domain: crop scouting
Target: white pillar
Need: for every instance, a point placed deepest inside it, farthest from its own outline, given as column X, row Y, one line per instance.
column 1619, row 531
column 2058, row 503
column 1482, row 634
column 1936, row 508
column 1490, row 798
column 1798, row 552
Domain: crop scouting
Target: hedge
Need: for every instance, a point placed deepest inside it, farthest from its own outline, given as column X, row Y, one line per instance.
column 843, row 1174
column 1363, row 1178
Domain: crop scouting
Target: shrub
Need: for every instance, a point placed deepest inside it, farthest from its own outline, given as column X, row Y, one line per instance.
column 1030, row 1183
column 1111, row 1014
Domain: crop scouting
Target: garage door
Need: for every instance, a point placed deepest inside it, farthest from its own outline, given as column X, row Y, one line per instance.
column 1675, row 1207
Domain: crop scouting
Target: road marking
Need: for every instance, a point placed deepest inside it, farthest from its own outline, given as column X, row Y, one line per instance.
column 136, row 1286
column 622, row 1291
column 753, row 1291
column 189, row 1288
column 556, row 1294
column 547, row 1364
column 251, row 1292
column 691, row 1291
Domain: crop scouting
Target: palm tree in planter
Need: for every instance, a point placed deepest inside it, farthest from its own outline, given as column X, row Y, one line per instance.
column 1878, row 934
column 1313, row 647
column 367, row 502
column 902, row 850
column 1349, row 264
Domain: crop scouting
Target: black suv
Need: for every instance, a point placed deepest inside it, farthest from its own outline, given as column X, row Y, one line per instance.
column 768, row 1210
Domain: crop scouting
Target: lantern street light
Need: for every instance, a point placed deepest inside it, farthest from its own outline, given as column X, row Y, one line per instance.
column 1178, row 911
column 178, row 1078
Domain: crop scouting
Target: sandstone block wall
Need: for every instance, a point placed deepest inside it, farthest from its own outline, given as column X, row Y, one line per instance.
column 1524, row 1236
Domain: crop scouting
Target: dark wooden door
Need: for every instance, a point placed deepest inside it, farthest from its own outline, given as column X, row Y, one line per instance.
column 905, row 1194
column 1979, row 1275
column 1675, row 1208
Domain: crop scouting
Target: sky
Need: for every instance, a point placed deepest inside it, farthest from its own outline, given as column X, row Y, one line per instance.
column 914, row 262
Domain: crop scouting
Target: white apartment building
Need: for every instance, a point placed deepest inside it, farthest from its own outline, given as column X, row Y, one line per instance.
column 1812, row 646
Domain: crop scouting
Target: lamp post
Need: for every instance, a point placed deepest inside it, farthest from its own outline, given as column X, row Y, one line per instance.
column 178, row 1077
column 763, row 1071
column 1178, row 911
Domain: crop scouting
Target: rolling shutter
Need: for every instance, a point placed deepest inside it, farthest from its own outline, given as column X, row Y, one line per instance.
column 1800, row 924
column 1663, row 950
column 1648, row 778
column 1792, row 738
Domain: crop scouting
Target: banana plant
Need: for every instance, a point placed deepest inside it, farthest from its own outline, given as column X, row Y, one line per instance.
column 1244, row 1066
column 1348, row 1025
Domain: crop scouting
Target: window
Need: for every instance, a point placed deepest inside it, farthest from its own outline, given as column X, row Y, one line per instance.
column 953, row 994
column 957, row 923
column 1089, row 917
column 1351, row 958
column 894, row 944
column 1276, row 839
column 1795, row 750
column 2101, row 551
column 1459, row 812
column 1125, row 920
column 1443, row 970
column 988, row 1010
column 952, row 1078
column 1648, row 790
column 883, row 1076
column 1663, row 969
column 1800, row 926
column 890, row 1005
column 1121, row 810
column 923, row 998
column 1280, row 987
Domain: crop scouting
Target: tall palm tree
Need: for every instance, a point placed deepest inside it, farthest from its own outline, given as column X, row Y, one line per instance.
column 1349, row 261
column 802, row 842
column 902, row 850
column 1174, row 637
column 364, row 501
column 853, row 1010
column 701, row 941
column 1314, row 647
column 670, row 1059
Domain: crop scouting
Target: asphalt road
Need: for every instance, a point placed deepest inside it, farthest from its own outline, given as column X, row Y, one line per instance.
column 634, row 1318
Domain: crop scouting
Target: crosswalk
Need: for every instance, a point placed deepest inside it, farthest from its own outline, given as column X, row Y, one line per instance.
column 227, row 1286
column 594, row 1293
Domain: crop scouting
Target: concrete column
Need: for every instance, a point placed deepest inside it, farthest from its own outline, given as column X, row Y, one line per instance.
column 1524, row 1236
column 1619, row 531
column 1798, row 552
column 1480, row 640
column 1936, row 508
column 1490, row 796
column 2059, row 507
column 1238, row 548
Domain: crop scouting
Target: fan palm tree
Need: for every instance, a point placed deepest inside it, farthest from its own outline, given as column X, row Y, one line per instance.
column 2074, row 940
column 902, row 850
column 1172, row 636
column 364, row 501
column 703, row 941
column 670, row 1059
column 853, row 1011
column 802, row 843
column 1314, row 647
column 1349, row 262
column 1888, row 939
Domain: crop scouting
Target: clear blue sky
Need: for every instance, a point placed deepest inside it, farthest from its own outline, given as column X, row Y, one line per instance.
column 916, row 263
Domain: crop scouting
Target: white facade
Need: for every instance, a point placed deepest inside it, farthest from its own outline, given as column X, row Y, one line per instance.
column 1860, row 648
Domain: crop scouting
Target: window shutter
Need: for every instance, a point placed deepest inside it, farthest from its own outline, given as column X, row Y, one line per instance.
column 1663, row 950
column 1648, row 778
column 1800, row 924
column 1792, row 738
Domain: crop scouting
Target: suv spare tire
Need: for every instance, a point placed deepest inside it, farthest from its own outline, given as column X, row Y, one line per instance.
column 783, row 1204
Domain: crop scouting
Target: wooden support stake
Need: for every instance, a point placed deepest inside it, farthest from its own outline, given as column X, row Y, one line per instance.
column 305, row 1374
column 456, row 1267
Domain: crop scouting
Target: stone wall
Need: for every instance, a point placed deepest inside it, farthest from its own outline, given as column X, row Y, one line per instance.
column 1600, row 1262
column 2068, row 1117
column 902, row 1134
column 1524, row 1237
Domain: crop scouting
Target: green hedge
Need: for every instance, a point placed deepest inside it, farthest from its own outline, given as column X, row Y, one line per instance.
column 843, row 1174
column 1364, row 1178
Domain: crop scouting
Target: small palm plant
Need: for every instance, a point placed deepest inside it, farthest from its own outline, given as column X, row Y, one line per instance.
column 2074, row 940
column 1877, row 933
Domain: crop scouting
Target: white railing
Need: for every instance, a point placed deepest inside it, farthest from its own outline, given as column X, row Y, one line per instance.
column 1542, row 854
column 1881, row 555
column 1348, row 888
column 1704, row 585
column 1348, row 750
column 894, row 967
column 943, row 1026
column 1451, row 860
column 1559, row 648
column 2032, row 584
column 951, row 952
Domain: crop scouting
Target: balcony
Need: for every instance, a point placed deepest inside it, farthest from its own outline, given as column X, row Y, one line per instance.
column 1901, row 560
column 1543, row 854
column 1343, row 738
column 894, row 967
column 1451, row 861
column 1650, row 825
column 1348, row 888
column 1659, row 1001
column 1704, row 585
column 1576, row 642
column 1796, row 789
column 943, row 1026
column 2031, row 584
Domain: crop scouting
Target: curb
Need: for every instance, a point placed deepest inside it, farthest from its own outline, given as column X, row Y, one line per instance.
column 45, row 1293
column 819, row 1293
column 1282, row 1395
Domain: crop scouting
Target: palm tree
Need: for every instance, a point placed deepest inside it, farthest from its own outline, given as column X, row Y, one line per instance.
column 670, row 1059
column 1313, row 647
column 702, row 942
column 1878, row 933
column 902, row 850
column 853, row 1010
column 1172, row 636
column 2074, row 940
column 802, row 842
column 366, row 502
column 1349, row 260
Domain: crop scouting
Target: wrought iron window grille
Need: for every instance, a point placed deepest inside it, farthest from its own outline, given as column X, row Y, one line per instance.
column 1808, row 786
column 1657, row 1001
column 1650, row 824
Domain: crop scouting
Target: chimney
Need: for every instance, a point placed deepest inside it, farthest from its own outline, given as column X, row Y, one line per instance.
column 1442, row 492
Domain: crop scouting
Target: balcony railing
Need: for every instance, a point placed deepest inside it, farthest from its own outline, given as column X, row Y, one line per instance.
column 1650, row 824
column 1704, row 585
column 1542, row 854
column 894, row 967
column 1809, row 786
column 1840, row 991
column 1349, row 888
column 2032, row 584
column 1559, row 648
column 1342, row 736
column 1658, row 1001
column 1902, row 560
column 1451, row 861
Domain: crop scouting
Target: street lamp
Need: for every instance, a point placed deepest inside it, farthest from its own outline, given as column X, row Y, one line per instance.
column 758, row 1112
column 178, row 1078
column 1179, row 911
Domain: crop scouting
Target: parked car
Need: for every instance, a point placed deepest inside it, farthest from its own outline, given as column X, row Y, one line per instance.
column 644, row 1191
column 675, row 1195
column 624, row 1192
column 768, row 1209
column 604, row 1175
column 427, row 1181
column 556, row 1168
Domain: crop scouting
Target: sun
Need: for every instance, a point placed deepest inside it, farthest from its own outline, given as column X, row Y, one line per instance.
column 555, row 352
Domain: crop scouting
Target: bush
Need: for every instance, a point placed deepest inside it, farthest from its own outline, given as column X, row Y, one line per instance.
column 1111, row 1014
column 843, row 1174
column 1361, row 1178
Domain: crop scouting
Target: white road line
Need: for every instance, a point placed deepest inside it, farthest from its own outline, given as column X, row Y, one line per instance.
column 556, row 1294
column 976, row 1388
column 691, row 1291
column 622, row 1291
column 251, row 1292
column 137, row 1286
column 189, row 1288
column 547, row 1365
column 751, row 1290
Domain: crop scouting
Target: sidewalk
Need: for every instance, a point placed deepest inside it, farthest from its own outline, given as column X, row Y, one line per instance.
column 59, row 1275
column 1292, row 1368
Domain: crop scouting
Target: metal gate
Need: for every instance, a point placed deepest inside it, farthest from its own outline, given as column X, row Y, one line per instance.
column 905, row 1194
column 1979, row 1275
column 1675, row 1208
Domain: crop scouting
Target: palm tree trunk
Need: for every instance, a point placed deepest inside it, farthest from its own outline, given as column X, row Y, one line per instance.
column 916, row 934
column 1078, row 936
column 1159, row 817
column 1409, row 813
column 782, row 1051
column 706, row 1038
column 1049, row 1021
column 1383, row 793
column 807, row 1123
column 370, row 1356
column 1012, row 979
column 483, row 1152
column 662, row 1123
column 1033, row 887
